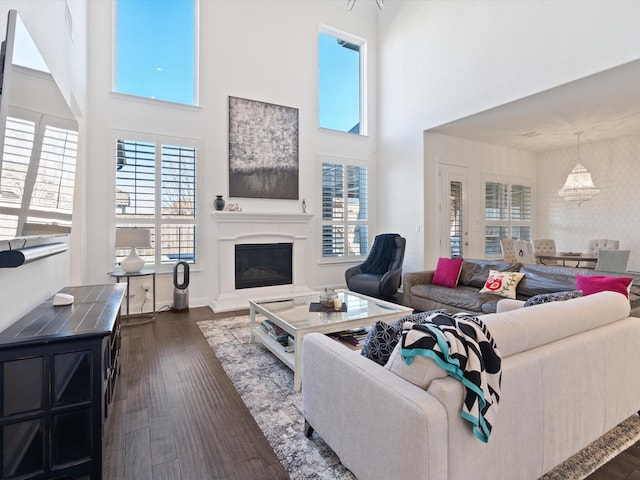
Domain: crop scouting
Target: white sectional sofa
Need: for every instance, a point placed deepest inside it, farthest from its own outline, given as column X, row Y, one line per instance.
column 570, row 373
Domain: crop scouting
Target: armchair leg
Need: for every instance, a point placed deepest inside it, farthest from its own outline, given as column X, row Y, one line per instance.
column 308, row 429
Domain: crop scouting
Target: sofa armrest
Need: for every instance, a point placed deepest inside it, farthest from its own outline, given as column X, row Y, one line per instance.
column 414, row 278
column 508, row 304
column 347, row 398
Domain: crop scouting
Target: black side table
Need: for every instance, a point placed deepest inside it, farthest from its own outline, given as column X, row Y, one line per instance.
column 118, row 274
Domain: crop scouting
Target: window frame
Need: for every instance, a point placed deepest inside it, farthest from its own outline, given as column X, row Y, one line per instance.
column 345, row 162
column 158, row 220
column 508, row 223
column 363, row 44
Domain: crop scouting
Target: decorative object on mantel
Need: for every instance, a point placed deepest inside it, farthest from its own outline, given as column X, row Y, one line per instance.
column 218, row 203
column 304, row 206
column 19, row 256
column 263, row 150
column 579, row 187
column 132, row 238
column 351, row 3
column 234, row 207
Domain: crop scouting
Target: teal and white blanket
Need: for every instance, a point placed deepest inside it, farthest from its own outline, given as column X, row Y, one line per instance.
column 461, row 345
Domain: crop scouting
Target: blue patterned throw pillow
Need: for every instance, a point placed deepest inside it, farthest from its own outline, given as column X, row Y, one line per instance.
column 552, row 297
column 383, row 338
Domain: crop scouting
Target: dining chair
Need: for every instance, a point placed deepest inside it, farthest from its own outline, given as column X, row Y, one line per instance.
column 524, row 251
column 508, row 250
column 613, row 260
column 598, row 244
column 545, row 246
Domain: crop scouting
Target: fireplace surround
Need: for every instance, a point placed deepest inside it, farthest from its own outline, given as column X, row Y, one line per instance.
column 241, row 228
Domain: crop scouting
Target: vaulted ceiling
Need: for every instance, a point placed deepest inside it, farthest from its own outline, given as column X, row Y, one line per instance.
column 605, row 105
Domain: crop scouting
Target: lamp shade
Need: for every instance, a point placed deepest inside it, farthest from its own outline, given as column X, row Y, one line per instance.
column 133, row 237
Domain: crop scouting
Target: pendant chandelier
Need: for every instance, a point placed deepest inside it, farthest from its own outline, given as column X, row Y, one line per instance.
column 351, row 3
column 579, row 187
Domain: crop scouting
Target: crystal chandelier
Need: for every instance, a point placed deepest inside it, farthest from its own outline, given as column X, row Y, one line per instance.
column 351, row 3
column 579, row 187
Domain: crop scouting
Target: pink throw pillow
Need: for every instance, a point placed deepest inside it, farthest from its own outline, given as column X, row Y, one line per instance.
column 600, row 283
column 447, row 272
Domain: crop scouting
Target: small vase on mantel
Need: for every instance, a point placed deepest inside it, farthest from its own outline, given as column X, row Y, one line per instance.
column 218, row 203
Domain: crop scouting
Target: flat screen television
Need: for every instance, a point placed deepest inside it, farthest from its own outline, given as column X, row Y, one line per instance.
column 38, row 141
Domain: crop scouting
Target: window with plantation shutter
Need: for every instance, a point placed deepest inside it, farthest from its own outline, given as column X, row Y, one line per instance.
column 156, row 189
column 38, row 176
column 344, row 210
column 507, row 214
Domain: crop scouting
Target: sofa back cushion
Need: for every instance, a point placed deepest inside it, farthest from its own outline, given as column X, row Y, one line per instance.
column 474, row 272
column 519, row 330
column 546, row 279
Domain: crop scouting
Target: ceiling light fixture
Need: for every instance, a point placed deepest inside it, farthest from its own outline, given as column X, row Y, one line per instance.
column 579, row 187
column 351, row 3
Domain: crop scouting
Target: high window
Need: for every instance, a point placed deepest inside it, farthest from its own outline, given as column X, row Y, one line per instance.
column 507, row 214
column 345, row 230
column 38, row 176
column 340, row 82
column 155, row 48
column 156, row 189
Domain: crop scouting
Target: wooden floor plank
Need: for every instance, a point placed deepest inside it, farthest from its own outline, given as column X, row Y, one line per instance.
column 176, row 414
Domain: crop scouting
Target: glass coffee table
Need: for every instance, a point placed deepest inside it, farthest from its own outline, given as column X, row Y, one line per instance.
column 292, row 315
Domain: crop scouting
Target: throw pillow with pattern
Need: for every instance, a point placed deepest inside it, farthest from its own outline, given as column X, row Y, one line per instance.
column 552, row 297
column 502, row 283
column 383, row 338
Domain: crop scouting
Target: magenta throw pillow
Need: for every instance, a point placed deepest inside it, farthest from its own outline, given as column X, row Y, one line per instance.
column 447, row 272
column 600, row 283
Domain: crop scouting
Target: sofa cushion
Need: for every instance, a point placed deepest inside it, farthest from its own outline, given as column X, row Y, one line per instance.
column 552, row 297
column 463, row 297
column 474, row 272
column 601, row 283
column 447, row 272
column 546, row 279
column 383, row 337
column 502, row 283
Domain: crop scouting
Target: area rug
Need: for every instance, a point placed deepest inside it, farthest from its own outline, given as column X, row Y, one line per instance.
column 266, row 387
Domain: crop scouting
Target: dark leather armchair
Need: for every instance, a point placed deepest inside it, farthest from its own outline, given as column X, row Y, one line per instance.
column 381, row 273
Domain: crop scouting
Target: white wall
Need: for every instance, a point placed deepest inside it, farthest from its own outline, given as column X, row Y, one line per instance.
column 615, row 167
column 255, row 49
column 440, row 61
column 482, row 162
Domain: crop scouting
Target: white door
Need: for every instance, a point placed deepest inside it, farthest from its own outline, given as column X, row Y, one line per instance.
column 453, row 211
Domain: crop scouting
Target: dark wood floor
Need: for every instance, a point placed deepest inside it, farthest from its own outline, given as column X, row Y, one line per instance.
column 176, row 415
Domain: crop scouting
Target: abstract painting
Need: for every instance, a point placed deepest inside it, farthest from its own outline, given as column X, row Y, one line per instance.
column 263, row 150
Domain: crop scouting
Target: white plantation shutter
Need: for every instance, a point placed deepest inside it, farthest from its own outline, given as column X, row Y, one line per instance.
column 507, row 214
column 38, row 176
column 344, row 210
column 156, row 189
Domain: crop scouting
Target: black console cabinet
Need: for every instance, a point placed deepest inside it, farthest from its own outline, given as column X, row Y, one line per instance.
column 58, row 371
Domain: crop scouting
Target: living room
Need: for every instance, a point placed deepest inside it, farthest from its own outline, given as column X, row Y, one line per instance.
column 405, row 98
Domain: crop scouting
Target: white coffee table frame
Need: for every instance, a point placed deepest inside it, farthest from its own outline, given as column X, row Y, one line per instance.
column 292, row 314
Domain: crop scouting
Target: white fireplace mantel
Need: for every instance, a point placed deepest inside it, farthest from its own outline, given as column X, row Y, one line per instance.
column 258, row 227
column 260, row 217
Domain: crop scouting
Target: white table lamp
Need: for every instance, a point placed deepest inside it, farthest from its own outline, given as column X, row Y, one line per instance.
column 133, row 238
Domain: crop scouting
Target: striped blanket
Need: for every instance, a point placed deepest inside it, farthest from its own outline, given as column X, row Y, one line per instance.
column 462, row 345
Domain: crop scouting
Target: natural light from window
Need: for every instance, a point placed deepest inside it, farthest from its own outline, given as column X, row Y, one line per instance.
column 155, row 45
column 339, row 81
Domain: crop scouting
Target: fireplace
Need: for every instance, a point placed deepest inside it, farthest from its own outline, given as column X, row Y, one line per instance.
column 263, row 264
column 256, row 229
